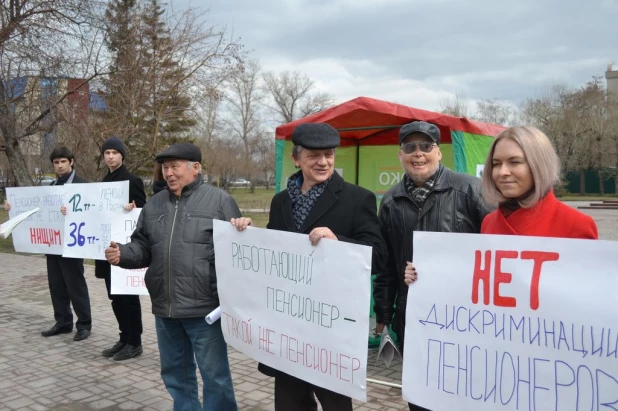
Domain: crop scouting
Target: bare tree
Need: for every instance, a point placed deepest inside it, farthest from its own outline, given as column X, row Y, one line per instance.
column 42, row 43
column 612, row 132
column 223, row 158
column 264, row 156
column 293, row 96
column 495, row 112
column 579, row 123
column 244, row 97
column 454, row 105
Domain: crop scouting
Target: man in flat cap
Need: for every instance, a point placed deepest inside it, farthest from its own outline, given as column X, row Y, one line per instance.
column 430, row 197
column 319, row 203
column 173, row 238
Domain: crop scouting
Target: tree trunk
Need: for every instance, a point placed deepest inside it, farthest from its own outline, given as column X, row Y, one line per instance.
column 18, row 164
column 601, row 183
column 582, row 182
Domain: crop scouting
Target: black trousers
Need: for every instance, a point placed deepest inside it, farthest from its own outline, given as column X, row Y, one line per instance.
column 67, row 286
column 128, row 312
column 298, row 395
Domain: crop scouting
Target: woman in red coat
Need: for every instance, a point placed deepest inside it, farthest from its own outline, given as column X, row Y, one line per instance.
column 520, row 171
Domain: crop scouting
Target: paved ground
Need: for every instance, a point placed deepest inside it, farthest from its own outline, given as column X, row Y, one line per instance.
column 57, row 373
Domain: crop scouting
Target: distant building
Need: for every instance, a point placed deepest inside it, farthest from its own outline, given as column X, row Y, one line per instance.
column 611, row 76
column 30, row 97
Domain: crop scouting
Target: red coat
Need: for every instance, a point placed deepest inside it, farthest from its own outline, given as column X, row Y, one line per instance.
column 548, row 218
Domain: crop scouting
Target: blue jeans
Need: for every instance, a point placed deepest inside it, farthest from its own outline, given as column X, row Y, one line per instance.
column 180, row 339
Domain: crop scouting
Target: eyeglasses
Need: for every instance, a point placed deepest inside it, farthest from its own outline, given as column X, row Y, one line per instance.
column 424, row 146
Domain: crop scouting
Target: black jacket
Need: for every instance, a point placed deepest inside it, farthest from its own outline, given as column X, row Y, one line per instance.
column 349, row 211
column 173, row 238
column 455, row 205
column 76, row 180
column 158, row 185
column 102, row 268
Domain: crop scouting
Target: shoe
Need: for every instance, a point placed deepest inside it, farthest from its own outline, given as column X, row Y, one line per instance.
column 81, row 335
column 57, row 329
column 127, row 352
column 108, row 353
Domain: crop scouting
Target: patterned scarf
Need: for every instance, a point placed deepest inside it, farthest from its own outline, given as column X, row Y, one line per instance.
column 303, row 203
column 420, row 194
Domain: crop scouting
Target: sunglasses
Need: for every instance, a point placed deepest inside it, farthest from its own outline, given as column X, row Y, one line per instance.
column 424, row 146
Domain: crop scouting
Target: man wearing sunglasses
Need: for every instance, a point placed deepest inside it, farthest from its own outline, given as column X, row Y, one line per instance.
column 429, row 197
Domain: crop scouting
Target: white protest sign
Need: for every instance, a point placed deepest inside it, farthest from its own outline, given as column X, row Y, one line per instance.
column 42, row 232
column 90, row 210
column 294, row 307
column 7, row 227
column 479, row 170
column 512, row 323
column 127, row 282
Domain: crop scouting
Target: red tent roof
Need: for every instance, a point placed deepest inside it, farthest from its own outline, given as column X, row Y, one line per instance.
column 377, row 122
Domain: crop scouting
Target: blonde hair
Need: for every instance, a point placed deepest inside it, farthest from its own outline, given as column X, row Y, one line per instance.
column 541, row 157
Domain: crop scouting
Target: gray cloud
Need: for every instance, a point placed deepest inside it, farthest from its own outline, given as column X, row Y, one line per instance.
column 483, row 49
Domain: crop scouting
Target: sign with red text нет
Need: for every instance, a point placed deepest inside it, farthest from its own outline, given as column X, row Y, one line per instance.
column 512, row 323
column 90, row 211
column 41, row 232
column 295, row 307
column 127, row 281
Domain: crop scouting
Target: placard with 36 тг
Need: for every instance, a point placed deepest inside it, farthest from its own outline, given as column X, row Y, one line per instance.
column 90, row 211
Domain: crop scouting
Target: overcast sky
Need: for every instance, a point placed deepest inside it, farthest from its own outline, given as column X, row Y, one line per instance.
column 418, row 52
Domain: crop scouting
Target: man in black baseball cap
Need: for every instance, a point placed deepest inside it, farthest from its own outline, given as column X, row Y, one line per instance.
column 450, row 202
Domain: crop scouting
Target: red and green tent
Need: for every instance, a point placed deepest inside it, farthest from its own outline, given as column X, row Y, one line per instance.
column 369, row 131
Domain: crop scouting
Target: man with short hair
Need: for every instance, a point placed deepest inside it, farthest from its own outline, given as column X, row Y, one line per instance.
column 430, row 197
column 173, row 238
column 319, row 203
column 127, row 308
column 65, row 276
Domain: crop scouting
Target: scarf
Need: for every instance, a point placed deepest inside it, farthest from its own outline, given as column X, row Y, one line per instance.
column 302, row 204
column 420, row 194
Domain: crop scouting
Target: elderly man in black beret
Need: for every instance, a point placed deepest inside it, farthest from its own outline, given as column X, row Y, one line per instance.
column 173, row 238
column 319, row 203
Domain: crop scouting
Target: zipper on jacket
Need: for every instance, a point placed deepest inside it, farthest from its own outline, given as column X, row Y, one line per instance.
column 169, row 261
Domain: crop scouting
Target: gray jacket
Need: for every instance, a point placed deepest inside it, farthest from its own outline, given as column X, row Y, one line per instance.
column 173, row 238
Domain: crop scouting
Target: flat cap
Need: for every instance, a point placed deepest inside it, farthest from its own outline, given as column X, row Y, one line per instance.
column 180, row 151
column 428, row 129
column 316, row 136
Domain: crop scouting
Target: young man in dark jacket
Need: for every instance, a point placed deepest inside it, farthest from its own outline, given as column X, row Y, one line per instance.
column 430, row 197
column 173, row 238
column 67, row 284
column 127, row 308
